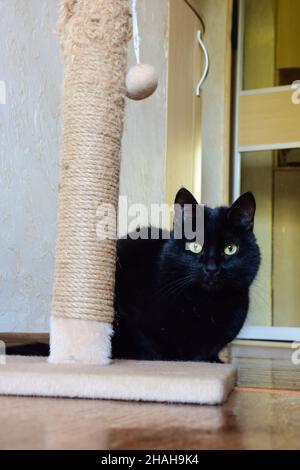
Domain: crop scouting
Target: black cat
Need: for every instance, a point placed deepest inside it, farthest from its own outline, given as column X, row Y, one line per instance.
column 180, row 301
column 177, row 300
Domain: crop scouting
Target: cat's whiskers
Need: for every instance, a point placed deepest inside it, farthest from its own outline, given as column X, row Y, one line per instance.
column 172, row 283
column 175, row 287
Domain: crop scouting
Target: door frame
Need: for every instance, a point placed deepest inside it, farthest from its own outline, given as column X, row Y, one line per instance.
column 270, row 333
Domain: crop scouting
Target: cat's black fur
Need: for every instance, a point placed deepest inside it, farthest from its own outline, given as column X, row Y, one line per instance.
column 172, row 304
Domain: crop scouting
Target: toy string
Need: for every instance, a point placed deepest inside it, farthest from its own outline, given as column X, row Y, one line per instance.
column 136, row 36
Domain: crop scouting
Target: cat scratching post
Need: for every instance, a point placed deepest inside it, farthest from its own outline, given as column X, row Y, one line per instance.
column 94, row 36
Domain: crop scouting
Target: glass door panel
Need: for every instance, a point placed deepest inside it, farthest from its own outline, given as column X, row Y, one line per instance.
column 274, row 178
column 271, row 43
column 266, row 158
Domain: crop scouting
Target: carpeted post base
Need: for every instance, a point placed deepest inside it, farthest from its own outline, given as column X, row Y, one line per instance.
column 173, row 382
column 69, row 337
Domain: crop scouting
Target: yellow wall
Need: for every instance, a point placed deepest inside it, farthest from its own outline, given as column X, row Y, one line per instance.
column 257, row 177
column 259, row 44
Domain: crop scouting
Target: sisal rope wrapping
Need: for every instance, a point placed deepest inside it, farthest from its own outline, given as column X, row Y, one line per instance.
column 94, row 36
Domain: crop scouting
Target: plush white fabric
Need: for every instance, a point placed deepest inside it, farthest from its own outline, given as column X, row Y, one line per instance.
column 182, row 382
column 80, row 341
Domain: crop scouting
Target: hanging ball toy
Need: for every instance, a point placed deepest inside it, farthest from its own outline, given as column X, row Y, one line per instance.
column 141, row 81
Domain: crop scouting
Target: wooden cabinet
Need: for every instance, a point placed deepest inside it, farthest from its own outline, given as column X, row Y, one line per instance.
column 287, row 34
column 286, row 238
column 287, row 41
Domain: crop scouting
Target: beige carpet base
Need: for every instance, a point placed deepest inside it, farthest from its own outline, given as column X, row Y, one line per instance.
column 173, row 382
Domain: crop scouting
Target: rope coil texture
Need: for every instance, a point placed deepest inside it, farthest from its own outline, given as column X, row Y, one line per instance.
column 94, row 36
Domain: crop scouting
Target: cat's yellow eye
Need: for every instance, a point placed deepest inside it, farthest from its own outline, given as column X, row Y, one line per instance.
column 231, row 249
column 193, row 247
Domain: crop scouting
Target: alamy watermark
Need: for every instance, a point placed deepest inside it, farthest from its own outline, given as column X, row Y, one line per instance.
column 2, row 92
column 296, row 354
column 296, row 92
column 133, row 221
column 2, row 353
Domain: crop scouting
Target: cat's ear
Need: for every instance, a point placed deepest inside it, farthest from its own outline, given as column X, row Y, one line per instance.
column 184, row 197
column 242, row 211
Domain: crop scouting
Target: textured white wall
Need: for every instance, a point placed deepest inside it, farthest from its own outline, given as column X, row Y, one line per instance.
column 143, row 168
column 29, row 146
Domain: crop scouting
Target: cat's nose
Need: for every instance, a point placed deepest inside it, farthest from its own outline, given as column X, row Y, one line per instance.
column 211, row 267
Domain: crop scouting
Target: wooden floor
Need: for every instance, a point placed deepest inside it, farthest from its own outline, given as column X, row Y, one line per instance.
column 262, row 413
column 249, row 420
column 266, row 366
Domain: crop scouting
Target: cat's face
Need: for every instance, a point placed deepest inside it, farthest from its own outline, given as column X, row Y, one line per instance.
column 229, row 257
